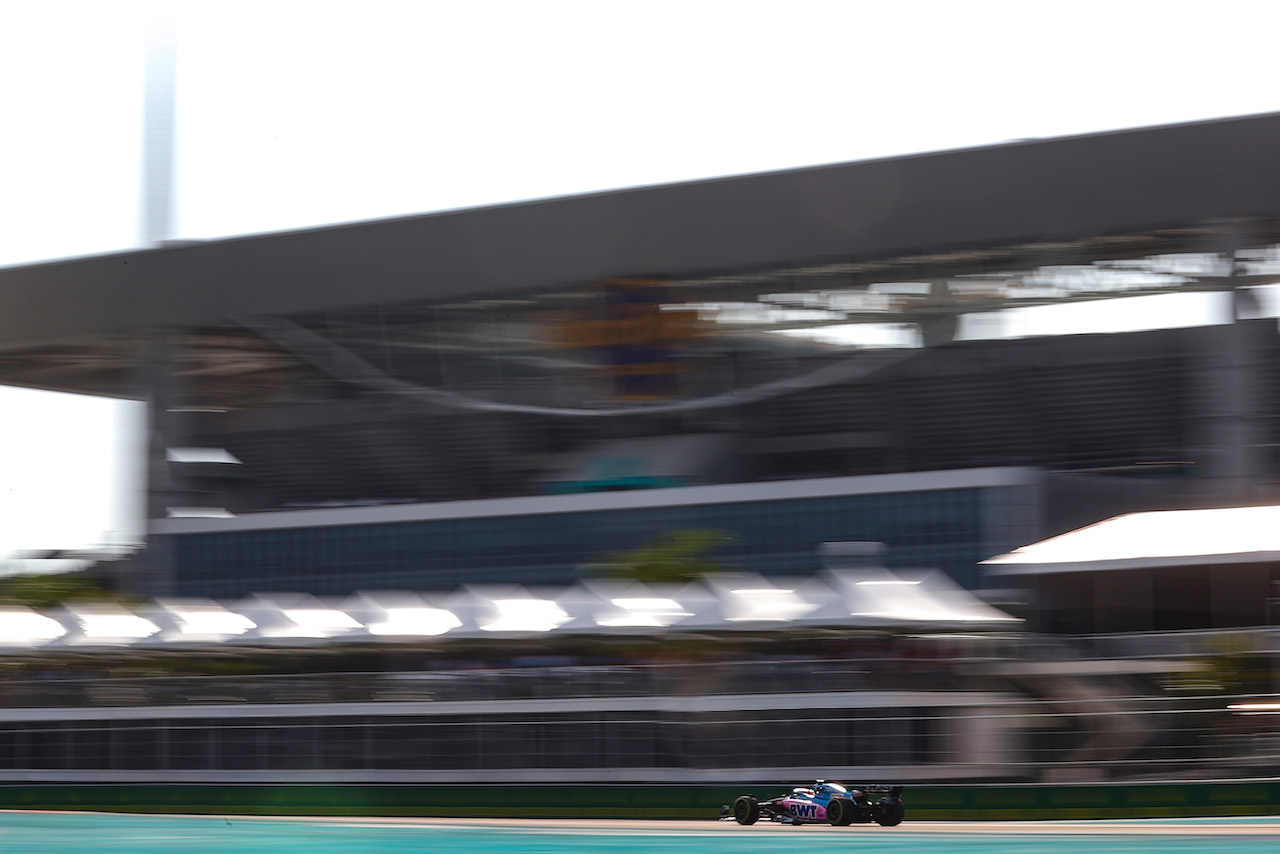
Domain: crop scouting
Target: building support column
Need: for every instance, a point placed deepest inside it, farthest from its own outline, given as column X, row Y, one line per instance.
column 1225, row 433
column 151, row 573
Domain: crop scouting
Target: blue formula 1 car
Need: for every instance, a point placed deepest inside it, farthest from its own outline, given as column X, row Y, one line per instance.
column 823, row 802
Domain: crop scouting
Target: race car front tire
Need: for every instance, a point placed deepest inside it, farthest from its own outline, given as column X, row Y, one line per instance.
column 891, row 813
column 746, row 810
column 841, row 811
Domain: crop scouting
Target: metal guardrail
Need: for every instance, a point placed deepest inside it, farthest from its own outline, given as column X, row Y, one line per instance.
column 765, row 675
column 509, row 683
column 1046, row 721
column 1174, row 644
column 921, row 737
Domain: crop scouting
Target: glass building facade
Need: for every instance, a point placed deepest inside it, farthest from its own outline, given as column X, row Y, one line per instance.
column 950, row 528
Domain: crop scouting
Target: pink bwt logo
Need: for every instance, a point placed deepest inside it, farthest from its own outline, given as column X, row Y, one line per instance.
column 804, row 809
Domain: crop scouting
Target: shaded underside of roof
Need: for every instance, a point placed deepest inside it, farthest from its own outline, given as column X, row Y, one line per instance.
column 1039, row 193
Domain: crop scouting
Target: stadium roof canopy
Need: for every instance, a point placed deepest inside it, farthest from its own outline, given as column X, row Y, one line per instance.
column 1131, row 192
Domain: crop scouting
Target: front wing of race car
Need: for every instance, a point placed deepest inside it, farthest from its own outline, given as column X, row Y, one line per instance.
column 857, row 805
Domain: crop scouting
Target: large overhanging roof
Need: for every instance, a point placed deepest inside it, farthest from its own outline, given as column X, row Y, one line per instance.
column 1165, row 538
column 1038, row 194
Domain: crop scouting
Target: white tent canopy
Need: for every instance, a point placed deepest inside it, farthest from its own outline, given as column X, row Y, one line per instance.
column 850, row 598
column 1154, row 539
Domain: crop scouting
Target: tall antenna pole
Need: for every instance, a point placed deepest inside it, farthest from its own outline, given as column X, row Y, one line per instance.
column 158, row 124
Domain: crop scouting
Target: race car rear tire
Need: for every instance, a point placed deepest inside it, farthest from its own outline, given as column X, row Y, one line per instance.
column 841, row 812
column 746, row 810
column 892, row 812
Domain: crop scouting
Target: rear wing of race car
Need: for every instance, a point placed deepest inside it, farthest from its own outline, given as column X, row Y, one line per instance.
column 881, row 789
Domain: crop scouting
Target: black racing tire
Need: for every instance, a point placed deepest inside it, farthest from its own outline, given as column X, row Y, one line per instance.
column 892, row 812
column 841, row 811
column 746, row 810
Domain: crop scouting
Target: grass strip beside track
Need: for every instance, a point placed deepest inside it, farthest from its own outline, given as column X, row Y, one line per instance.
column 924, row 803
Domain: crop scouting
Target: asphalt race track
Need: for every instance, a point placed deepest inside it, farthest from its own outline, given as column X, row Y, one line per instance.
column 99, row 833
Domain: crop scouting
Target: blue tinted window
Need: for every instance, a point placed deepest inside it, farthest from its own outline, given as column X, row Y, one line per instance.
column 949, row 530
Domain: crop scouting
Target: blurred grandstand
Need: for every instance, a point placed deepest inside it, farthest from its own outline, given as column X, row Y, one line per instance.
column 512, row 395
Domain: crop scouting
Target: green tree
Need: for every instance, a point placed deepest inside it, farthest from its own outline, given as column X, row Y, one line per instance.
column 674, row 557
column 48, row 591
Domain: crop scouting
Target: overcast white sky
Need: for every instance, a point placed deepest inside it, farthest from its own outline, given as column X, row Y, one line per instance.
column 293, row 114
